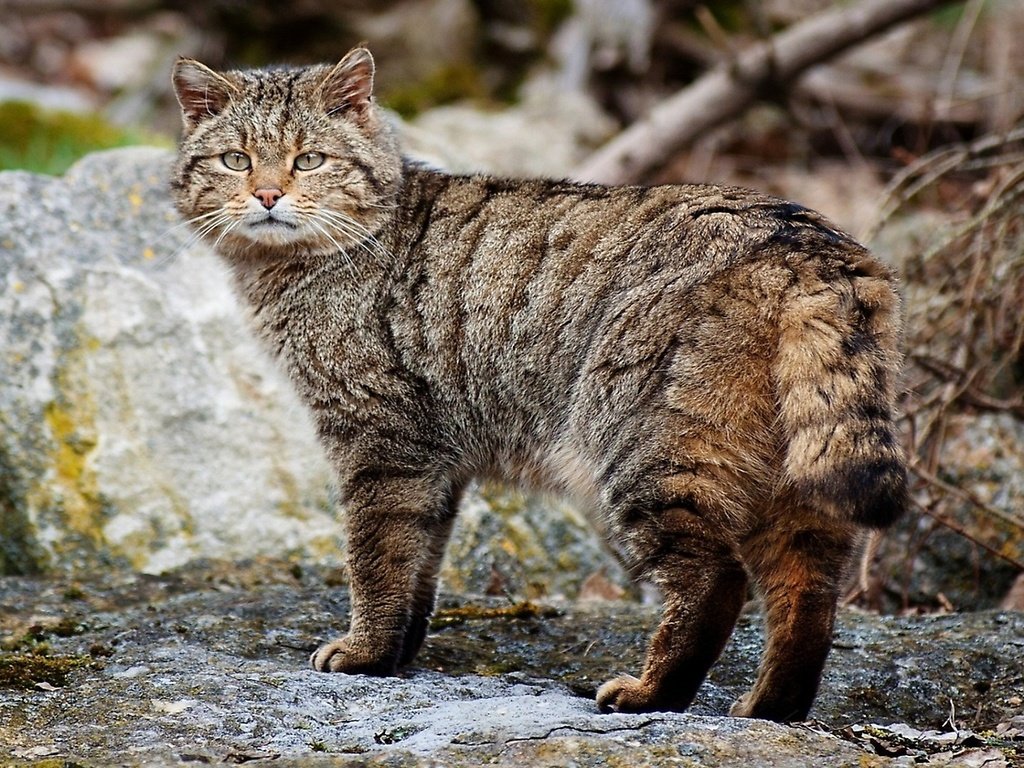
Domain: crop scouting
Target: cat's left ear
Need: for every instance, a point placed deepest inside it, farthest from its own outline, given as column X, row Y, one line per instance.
column 348, row 87
column 201, row 92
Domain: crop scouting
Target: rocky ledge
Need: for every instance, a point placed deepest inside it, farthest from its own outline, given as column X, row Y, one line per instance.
column 208, row 665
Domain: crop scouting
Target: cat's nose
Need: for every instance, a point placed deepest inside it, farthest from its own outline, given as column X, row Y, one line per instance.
column 268, row 196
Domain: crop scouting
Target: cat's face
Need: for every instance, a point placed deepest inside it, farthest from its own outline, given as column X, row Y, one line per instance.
column 285, row 160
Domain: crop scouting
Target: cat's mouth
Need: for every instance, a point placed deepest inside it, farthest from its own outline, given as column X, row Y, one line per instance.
column 269, row 229
column 272, row 221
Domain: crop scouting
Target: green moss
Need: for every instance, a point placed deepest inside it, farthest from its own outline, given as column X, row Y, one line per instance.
column 68, row 626
column 548, row 15
column 46, row 141
column 27, row 670
column 20, row 553
column 74, row 592
column 447, row 617
column 36, row 637
column 947, row 18
column 446, row 84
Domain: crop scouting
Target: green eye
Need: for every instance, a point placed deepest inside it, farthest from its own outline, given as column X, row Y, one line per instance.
column 307, row 161
column 236, row 161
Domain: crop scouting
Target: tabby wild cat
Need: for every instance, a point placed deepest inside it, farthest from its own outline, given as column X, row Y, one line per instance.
column 708, row 371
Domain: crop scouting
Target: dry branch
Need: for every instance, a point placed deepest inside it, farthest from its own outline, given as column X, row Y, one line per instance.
column 727, row 90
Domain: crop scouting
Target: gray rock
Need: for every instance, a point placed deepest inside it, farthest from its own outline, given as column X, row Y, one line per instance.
column 209, row 665
column 143, row 427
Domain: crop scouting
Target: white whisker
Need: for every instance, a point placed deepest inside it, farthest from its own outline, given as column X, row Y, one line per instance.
column 227, row 229
column 210, row 222
column 316, row 223
column 352, row 228
column 192, row 237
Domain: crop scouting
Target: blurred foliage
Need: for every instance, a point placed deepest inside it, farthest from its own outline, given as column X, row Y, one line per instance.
column 445, row 85
column 44, row 141
column 547, row 15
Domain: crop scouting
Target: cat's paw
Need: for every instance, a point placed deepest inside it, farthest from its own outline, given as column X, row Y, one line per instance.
column 776, row 708
column 742, row 707
column 624, row 694
column 351, row 657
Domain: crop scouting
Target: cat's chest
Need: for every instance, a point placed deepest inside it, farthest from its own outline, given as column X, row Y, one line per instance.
column 324, row 333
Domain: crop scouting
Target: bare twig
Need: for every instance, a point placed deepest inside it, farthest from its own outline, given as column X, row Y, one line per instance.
column 965, row 334
column 959, row 530
column 729, row 89
column 928, row 169
column 955, row 56
column 969, row 394
column 908, row 96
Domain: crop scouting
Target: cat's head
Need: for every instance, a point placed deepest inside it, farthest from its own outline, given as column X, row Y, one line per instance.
column 284, row 160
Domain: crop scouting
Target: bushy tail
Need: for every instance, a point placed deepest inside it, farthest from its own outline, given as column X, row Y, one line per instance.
column 836, row 368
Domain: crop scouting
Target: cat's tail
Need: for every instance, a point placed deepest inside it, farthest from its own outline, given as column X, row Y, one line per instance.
column 835, row 371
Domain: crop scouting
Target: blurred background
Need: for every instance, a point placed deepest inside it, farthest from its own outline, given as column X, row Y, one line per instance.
column 912, row 140
column 103, row 65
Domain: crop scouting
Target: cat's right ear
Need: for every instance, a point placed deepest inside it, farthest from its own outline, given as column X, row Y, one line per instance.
column 201, row 92
column 348, row 87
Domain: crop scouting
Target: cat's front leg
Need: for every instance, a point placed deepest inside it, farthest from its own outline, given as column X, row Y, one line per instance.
column 396, row 530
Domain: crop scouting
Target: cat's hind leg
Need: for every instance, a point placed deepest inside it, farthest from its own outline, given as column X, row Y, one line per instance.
column 704, row 587
column 397, row 529
column 798, row 561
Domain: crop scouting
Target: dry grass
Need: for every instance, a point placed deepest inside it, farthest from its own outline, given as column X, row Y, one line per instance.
column 965, row 336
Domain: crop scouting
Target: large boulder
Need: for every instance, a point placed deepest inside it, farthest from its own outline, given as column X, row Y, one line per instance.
column 143, row 427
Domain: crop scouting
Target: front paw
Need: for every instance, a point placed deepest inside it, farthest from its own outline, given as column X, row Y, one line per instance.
column 352, row 657
column 624, row 694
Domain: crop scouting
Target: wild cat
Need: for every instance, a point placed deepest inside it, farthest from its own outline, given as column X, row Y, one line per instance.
column 708, row 370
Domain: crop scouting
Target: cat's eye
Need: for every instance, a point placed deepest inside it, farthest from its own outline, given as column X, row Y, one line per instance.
column 307, row 161
column 236, row 161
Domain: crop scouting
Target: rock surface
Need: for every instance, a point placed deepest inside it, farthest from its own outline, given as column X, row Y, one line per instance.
column 141, row 426
column 209, row 665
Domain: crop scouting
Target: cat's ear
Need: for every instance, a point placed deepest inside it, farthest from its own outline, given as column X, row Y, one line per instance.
column 348, row 87
column 201, row 92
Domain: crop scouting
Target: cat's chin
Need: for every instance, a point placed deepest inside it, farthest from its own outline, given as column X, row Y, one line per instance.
column 273, row 233
column 246, row 247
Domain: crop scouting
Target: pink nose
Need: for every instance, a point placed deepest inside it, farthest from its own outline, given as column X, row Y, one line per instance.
column 268, row 197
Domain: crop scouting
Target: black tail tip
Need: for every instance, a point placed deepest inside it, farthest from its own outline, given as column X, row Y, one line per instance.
column 871, row 493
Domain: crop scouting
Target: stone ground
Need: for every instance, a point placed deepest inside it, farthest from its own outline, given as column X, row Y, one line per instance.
column 208, row 665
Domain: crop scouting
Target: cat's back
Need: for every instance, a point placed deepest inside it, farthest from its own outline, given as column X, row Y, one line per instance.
column 530, row 300
column 483, row 216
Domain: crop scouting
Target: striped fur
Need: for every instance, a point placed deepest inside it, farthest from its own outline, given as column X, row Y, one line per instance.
column 708, row 370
